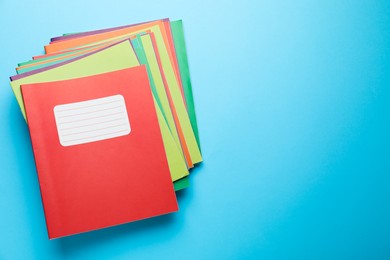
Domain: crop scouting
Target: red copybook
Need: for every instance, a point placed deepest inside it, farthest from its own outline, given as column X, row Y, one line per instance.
column 98, row 151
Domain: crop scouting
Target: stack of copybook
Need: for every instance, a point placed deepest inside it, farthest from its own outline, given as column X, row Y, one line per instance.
column 112, row 124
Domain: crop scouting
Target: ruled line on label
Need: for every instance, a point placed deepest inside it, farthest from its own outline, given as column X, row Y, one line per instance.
column 92, row 120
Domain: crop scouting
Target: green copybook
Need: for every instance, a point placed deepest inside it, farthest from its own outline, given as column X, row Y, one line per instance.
column 145, row 52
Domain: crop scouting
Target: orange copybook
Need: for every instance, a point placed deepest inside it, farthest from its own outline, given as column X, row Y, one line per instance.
column 73, row 42
column 98, row 150
column 173, row 84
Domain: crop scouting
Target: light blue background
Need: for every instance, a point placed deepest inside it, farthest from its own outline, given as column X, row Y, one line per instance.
column 293, row 105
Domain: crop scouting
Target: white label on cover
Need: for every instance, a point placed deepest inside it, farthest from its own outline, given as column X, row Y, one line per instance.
column 92, row 120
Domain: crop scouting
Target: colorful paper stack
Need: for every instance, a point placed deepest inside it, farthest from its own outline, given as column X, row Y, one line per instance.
column 112, row 124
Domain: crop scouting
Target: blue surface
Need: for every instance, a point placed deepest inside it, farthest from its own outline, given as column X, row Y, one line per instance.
column 293, row 107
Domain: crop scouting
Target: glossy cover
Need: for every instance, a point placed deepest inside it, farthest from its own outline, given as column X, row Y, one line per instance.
column 103, row 183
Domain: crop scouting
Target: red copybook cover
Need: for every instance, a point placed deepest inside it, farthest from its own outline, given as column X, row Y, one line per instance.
column 98, row 151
